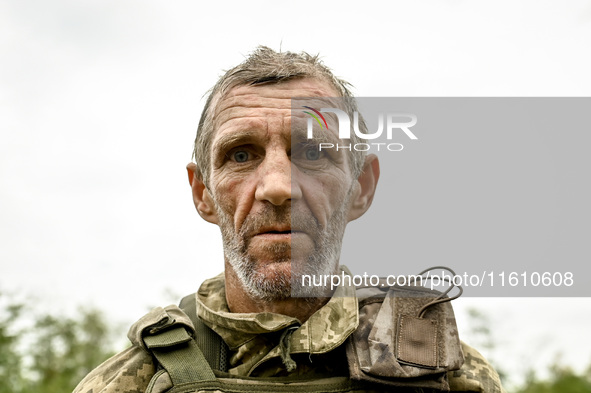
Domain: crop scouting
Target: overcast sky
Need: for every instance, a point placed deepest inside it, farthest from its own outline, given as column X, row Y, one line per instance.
column 99, row 102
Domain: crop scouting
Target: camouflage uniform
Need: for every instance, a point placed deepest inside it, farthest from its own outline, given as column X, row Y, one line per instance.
column 257, row 347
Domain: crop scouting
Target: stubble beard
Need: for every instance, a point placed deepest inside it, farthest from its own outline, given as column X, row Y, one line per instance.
column 266, row 282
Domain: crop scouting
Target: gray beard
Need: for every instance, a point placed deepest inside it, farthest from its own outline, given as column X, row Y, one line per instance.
column 280, row 285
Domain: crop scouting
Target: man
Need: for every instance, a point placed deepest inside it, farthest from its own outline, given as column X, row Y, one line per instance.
column 282, row 207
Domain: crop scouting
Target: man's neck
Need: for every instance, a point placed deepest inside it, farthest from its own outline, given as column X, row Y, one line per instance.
column 241, row 301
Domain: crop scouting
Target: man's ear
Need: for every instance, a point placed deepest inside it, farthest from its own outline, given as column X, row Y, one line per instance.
column 201, row 198
column 366, row 187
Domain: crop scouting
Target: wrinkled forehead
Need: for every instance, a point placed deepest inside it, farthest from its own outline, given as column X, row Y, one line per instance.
column 267, row 99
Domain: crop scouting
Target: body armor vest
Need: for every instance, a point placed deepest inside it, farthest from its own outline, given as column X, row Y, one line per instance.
column 407, row 340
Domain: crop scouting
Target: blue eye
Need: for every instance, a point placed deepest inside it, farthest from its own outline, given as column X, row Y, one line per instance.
column 312, row 154
column 240, row 156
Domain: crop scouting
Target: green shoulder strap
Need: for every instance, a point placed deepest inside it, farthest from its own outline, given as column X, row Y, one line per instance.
column 179, row 354
column 214, row 348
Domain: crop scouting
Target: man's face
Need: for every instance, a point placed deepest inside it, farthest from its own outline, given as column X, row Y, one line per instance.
column 282, row 206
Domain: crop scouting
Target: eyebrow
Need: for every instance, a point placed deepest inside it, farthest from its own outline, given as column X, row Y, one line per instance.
column 231, row 139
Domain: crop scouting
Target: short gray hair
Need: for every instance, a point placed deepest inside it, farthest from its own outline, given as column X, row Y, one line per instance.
column 265, row 65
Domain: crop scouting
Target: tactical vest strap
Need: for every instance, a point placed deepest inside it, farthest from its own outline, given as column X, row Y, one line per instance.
column 214, row 348
column 179, row 354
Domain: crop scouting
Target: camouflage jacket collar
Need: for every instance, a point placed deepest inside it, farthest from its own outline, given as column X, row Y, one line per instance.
column 324, row 331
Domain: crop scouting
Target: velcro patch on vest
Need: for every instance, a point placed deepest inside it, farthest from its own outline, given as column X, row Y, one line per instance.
column 417, row 341
column 397, row 344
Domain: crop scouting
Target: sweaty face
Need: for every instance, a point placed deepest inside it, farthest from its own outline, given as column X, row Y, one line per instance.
column 281, row 206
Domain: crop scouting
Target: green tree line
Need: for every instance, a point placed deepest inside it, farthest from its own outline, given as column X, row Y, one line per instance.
column 560, row 379
column 45, row 353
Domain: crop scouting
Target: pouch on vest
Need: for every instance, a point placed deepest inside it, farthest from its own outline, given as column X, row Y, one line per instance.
column 407, row 336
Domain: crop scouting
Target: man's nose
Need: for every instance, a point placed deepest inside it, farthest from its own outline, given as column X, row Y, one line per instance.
column 275, row 182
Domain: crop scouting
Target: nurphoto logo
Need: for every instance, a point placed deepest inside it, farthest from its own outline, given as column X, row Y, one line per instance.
column 393, row 123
